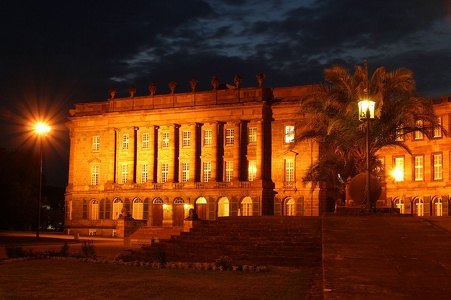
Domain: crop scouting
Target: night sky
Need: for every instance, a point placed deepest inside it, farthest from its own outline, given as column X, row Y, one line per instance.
column 56, row 53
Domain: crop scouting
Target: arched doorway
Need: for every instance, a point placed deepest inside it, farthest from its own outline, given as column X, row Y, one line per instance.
column 223, row 207
column 437, row 206
column 289, row 207
column 137, row 209
column 157, row 212
column 201, row 208
column 246, row 207
column 178, row 212
column 117, row 208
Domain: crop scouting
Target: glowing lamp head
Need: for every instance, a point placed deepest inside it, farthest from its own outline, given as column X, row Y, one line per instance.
column 42, row 128
column 366, row 109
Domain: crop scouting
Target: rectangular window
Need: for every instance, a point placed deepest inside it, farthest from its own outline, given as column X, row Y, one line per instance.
column 125, row 139
column 165, row 140
column 96, row 143
column 94, row 175
column 398, row 171
column 230, row 136
column 208, row 137
column 418, row 135
column 289, row 170
column 186, row 138
column 252, row 135
column 185, row 172
column 252, row 170
column 399, row 133
column 124, row 174
column 164, row 172
column 419, row 167
column 289, row 134
column 437, row 166
column 228, row 171
column 206, row 167
column 438, row 129
column 145, row 141
column 144, row 173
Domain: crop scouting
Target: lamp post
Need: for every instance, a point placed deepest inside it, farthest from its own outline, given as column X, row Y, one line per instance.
column 366, row 113
column 41, row 129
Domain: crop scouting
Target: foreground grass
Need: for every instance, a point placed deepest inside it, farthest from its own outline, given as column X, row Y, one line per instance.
column 64, row 279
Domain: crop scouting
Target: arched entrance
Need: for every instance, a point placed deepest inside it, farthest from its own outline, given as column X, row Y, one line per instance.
column 201, row 208
column 157, row 212
column 437, row 206
column 246, row 207
column 117, row 208
column 137, row 209
column 289, row 208
column 178, row 212
column 223, row 207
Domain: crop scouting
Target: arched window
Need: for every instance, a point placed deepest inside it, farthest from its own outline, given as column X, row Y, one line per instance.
column 117, row 207
column 223, row 207
column 137, row 212
column 420, row 207
column 438, row 207
column 94, row 209
column 179, row 201
column 290, row 207
column 246, row 207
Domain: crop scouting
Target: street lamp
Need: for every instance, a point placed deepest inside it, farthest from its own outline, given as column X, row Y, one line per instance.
column 366, row 113
column 41, row 129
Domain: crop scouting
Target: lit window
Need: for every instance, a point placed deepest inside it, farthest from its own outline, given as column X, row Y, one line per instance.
column 94, row 175
column 438, row 129
column 437, row 169
column 145, row 141
column 290, row 207
column 94, row 210
column 400, row 205
column 185, row 172
column 399, row 133
column 418, row 135
column 207, row 137
column 289, row 170
column 252, row 170
column 419, row 167
column 230, row 137
column 420, row 208
column 206, row 171
column 95, row 143
column 137, row 209
column 252, row 135
column 164, row 172
column 228, row 171
column 289, row 134
column 124, row 174
column 117, row 208
column 165, row 140
column 246, row 207
column 438, row 208
column 144, row 173
column 186, row 138
column 125, row 139
column 398, row 171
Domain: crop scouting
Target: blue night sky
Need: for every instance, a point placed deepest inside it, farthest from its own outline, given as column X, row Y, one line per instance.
column 56, row 53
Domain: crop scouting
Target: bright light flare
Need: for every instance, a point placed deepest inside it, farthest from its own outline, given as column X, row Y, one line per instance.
column 42, row 128
column 397, row 174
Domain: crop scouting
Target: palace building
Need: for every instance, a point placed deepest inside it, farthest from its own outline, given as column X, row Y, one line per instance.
column 155, row 158
column 225, row 152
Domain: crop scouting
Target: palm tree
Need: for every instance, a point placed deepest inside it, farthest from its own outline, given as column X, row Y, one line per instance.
column 329, row 116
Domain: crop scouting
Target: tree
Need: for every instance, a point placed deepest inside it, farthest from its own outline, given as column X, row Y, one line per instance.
column 329, row 116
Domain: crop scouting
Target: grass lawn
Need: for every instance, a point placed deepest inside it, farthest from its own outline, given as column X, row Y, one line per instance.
column 68, row 279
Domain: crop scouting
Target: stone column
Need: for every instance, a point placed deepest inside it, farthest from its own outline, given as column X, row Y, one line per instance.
column 214, row 150
column 260, row 150
column 237, row 152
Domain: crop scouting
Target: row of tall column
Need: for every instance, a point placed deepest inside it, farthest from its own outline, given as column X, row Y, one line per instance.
column 195, row 154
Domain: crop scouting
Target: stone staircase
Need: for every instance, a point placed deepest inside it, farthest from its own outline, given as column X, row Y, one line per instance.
column 147, row 235
column 262, row 240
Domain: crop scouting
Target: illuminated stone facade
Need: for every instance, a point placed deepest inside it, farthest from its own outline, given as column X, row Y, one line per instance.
column 154, row 158
column 421, row 184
